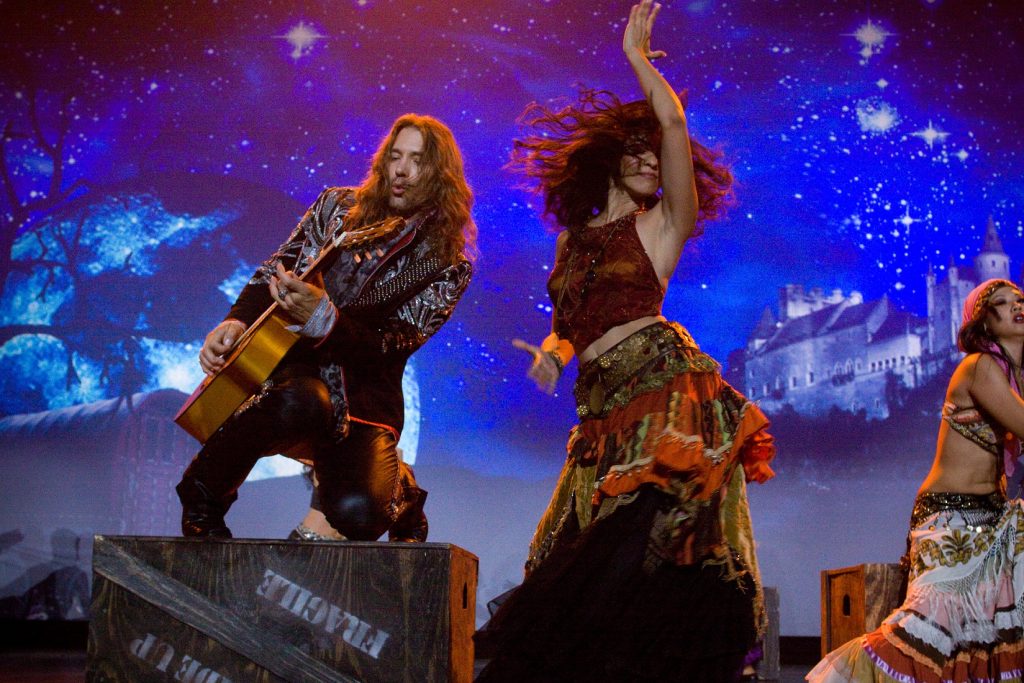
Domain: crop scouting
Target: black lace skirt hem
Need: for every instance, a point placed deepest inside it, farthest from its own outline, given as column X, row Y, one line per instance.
column 595, row 611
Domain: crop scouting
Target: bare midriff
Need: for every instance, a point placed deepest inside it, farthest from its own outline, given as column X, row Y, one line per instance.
column 961, row 466
column 616, row 335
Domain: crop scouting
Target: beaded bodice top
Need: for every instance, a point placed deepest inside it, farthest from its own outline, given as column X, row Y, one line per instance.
column 970, row 423
column 602, row 278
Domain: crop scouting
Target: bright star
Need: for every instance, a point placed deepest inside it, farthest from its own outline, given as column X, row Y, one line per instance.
column 931, row 134
column 876, row 116
column 962, row 155
column 906, row 219
column 871, row 37
column 871, row 34
column 882, row 83
column 302, row 37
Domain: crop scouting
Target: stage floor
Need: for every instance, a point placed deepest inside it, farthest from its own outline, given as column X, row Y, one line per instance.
column 69, row 667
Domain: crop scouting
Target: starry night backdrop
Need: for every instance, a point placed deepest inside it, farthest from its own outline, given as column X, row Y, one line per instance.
column 154, row 153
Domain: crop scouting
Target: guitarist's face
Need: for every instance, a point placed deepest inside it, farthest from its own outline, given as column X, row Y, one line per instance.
column 404, row 171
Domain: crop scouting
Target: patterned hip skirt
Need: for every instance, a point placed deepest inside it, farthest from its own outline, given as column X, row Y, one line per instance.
column 642, row 567
column 655, row 411
column 962, row 617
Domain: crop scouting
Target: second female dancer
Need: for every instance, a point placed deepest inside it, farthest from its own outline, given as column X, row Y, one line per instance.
column 963, row 616
column 642, row 567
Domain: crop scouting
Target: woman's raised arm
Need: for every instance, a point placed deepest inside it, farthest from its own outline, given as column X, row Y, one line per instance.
column 678, row 206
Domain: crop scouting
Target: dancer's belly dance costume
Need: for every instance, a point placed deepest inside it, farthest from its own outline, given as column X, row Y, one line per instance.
column 962, row 618
column 642, row 567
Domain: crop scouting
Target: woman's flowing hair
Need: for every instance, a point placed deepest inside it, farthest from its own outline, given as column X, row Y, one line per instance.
column 571, row 153
column 442, row 182
column 974, row 335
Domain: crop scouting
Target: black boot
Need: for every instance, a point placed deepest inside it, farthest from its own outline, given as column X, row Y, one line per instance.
column 202, row 513
column 210, row 485
column 289, row 409
column 411, row 525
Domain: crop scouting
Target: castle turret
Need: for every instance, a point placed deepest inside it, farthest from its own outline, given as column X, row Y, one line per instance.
column 766, row 327
column 946, row 298
column 794, row 302
column 934, row 295
column 992, row 261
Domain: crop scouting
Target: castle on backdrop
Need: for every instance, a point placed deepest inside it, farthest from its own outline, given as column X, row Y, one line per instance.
column 833, row 350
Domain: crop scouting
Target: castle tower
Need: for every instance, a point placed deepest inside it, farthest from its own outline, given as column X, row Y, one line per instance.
column 766, row 327
column 933, row 306
column 992, row 261
column 946, row 298
column 794, row 302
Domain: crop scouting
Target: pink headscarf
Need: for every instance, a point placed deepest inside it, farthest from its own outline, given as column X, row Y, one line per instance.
column 974, row 304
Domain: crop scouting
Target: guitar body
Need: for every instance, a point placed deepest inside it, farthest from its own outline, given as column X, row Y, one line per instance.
column 252, row 360
column 261, row 348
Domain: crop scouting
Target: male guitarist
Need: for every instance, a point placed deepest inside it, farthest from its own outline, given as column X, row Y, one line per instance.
column 336, row 397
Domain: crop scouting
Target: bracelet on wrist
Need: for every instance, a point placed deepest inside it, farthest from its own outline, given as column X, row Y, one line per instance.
column 557, row 359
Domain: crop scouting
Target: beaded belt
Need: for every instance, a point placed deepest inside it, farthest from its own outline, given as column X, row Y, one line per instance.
column 928, row 504
column 601, row 378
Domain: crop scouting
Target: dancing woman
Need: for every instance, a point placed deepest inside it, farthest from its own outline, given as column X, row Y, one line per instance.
column 962, row 618
column 642, row 567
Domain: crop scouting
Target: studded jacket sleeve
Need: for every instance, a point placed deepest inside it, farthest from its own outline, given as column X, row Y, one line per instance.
column 373, row 332
column 296, row 253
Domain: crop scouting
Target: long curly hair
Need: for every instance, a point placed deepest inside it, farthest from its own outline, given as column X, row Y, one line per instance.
column 571, row 152
column 442, row 181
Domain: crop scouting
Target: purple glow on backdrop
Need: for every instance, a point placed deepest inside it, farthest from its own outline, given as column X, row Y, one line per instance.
column 870, row 141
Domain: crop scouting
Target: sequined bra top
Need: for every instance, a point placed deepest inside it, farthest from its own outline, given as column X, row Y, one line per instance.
column 602, row 278
column 971, row 424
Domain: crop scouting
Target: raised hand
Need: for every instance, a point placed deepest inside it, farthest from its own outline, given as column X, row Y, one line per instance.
column 638, row 30
column 543, row 370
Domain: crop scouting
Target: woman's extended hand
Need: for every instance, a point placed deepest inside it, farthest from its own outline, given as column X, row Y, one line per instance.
column 299, row 299
column 638, row 29
column 543, row 370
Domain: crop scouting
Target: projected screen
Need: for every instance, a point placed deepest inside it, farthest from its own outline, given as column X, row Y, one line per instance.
column 154, row 154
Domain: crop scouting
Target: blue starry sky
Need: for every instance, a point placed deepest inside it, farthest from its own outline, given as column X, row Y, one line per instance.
column 871, row 141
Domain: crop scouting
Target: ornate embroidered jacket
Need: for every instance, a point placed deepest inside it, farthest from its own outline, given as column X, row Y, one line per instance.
column 388, row 306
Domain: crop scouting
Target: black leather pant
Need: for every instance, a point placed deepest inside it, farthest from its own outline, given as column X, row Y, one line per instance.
column 362, row 491
column 358, row 482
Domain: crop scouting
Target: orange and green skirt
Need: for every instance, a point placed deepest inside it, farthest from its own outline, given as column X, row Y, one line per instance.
column 642, row 567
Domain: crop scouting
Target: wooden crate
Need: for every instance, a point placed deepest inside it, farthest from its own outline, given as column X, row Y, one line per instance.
column 855, row 600
column 200, row 611
column 769, row 669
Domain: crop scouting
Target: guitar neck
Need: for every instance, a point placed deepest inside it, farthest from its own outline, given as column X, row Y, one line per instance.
column 342, row 240
column 347, row 240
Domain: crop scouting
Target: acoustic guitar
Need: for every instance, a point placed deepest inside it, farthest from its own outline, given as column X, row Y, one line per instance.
column 259, row 350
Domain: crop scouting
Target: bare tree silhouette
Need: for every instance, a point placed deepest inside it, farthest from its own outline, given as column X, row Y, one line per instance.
column 23, row 211
column 61, row 250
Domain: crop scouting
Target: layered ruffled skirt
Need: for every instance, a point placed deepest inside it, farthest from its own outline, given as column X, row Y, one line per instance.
column 643, row 568
column 964, row 611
